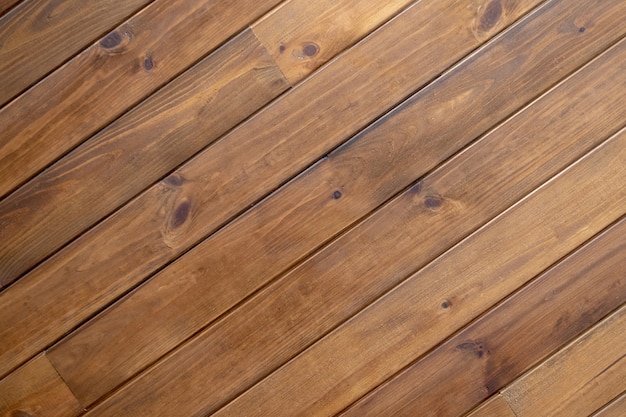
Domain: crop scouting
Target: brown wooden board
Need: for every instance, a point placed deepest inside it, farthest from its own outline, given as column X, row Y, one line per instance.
column 122, row 68
column 303, row 34
column 315, row 295
column 36, row 390
column 136, row 150
column 39, row 35
column 509, row 340
column 582, row 377
column 416, row 315
column 495, row 406
column 616, row 408
column 102, row 264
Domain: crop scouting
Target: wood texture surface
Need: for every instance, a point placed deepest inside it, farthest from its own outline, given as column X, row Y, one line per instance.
column 580, row 379
column 39, row 35
column 36, row 390
column 617, row 408
column 509, row 340
column 300, row 45
column 122, row 160
column 440, row 298
column 6, row 5
column 266, row 337
column 275, row 147
column 124, row 67
column 495, row 406
column 226, row 280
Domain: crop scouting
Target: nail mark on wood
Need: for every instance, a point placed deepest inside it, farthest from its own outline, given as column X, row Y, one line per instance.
column 111, row 40
column 175, row 180
column 337, row 195
column 581, row 30
column 491, row 16
column 446, row 304
column 433, row 202
column 310, row 49
column 281, row 48
column 148, row 63
column 478, row 349
column 181, row 214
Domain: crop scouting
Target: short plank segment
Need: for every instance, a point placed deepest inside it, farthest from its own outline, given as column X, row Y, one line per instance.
column 300, row 46
column 348, row 269
column 136, row 150
column 36, row 390
column 437, row 300
column 578, row 380
column 249, row 264
column 491, row 353
column 617, row 408
column 245, row 165
column 495, row 406
column 39, row 35
column 124, row 67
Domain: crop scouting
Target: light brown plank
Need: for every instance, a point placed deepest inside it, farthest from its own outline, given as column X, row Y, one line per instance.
column 39, row 35
column 136, row 150
column 262, row 147
column 260, row 336
column 578, row 380
column 437, row 300
column 617, row 408
column 495, row 406
column 509, row 340
column 300, row 46
column 36, row 390
column 106, row 79
column 232, row 279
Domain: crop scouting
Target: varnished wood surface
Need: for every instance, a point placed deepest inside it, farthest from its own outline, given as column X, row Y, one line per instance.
column 314, row 208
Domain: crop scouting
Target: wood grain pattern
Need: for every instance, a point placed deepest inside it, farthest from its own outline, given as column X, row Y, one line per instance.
column 300, row 46
column 617, row 408
column 440, row 298
column 39, row 35
column 36, row 390
column 226, row 280
column 585, row 375
column 136, row 150
column 492, row 352
column 316, row 294
column 67, row 107
column 230, row 175
column 495, row 406
column 6, row 5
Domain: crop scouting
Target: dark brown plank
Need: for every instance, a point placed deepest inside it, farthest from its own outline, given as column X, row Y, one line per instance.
column 431, row 304
column 617, row 408
column 36, row 390
column 495, row 406
column 136, row 150
column 300, row 46
column 172, row 34
column 6, row 5
column 39, row 35
column 314, row 294
column 582, row 377
column 266, row 145
column 491, row 353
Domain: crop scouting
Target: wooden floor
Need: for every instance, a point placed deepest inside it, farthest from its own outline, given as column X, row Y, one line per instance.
column 313, row 208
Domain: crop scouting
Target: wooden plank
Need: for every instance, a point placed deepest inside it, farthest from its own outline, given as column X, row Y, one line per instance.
column 483, row 358
column 495, row 406
column 259, row 336
column 582, row 377
column 171, row 35
column 300, row 46
column 229, row 281
column 267, row 150
column 136, row 150
column 617, row 408
column 37, row 390
column 431, row 304
column 35, row 37
column 6, row 5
